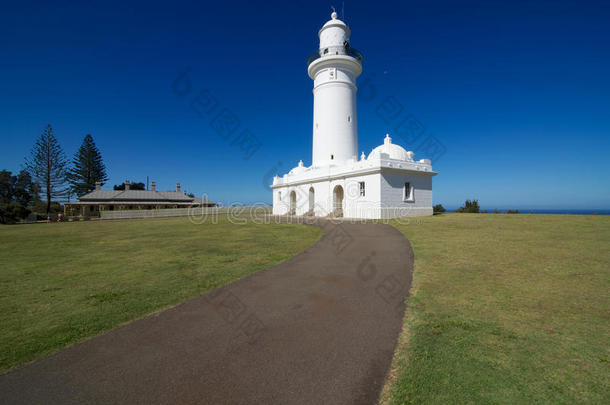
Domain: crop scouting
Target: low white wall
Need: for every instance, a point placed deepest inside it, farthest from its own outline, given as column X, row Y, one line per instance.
column 183, row 212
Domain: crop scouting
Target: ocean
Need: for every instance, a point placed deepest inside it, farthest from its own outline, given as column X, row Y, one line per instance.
column 550, row 211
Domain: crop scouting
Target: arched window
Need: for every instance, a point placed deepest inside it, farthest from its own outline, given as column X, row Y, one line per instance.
column 312, row 200
column 408, row 192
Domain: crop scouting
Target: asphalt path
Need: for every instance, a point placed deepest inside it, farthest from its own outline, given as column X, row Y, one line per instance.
column 319, row 328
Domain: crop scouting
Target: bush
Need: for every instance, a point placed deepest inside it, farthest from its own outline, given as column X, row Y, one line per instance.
column 16, row 194
column 438, row 209
column 133, row 186
column 11, row 212
column 470, row 207
column 512, row 211
column 39, row 207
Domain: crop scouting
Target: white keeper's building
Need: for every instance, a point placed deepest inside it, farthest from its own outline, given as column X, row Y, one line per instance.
column 387, row 183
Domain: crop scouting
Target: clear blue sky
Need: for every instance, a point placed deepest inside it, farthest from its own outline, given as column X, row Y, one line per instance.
column 517, row 92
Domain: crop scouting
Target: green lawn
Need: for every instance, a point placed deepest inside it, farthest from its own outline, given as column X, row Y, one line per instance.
column 63, row 283
column 503, row 308
column 506, row 309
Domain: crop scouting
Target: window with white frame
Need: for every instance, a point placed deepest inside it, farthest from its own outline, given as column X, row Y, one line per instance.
column 361, row 188
column 279, row 196
column 408, row 192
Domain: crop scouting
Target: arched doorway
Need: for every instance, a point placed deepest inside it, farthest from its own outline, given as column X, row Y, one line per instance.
column 293, row 203
column 312, row 199
column 338, row 201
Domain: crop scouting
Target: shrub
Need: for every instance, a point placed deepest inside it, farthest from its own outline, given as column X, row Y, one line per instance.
column 438, row 209
column 16, row 194
column 470, row 207
column 133, row 186
column 39, row 207
column 512, row 211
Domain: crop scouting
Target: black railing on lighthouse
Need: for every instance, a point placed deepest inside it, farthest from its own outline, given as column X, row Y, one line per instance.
column 339, row 50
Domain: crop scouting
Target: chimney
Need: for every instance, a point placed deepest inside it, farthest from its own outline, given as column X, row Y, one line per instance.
column 126, row 185
column 177, row 187
column 98, row 186
column 153, row 186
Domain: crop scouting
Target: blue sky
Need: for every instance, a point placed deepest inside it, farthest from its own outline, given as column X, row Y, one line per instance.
column 517, row 93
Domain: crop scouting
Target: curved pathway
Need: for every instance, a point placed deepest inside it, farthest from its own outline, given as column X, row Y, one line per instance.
column 319, row 328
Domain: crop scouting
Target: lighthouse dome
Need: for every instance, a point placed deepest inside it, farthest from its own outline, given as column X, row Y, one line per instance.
column 334, row 35
column 299, row 169
column 334, row 21
column 393, row 151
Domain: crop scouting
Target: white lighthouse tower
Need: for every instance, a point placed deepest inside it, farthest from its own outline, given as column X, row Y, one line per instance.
column 386, row 184
column 334, row 70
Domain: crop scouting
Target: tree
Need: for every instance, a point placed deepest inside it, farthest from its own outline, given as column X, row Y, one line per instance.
column 87, row 168
column 47, row 166
column 469, row 206
column 132, row 186
column 438, row 209
column 16, row 195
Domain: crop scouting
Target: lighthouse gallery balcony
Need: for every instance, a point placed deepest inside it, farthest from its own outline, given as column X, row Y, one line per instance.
column 330, row 51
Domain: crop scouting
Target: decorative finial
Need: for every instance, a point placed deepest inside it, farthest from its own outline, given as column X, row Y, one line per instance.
column 333, row 15
column 387, row 139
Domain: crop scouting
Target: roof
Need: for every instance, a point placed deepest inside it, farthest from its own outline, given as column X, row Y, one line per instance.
column 202, row 201
column 126, row 202
column 135, row 195
column 393, row 151
column 334, row 22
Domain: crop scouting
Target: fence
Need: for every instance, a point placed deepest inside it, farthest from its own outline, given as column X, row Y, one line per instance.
column 181, row 212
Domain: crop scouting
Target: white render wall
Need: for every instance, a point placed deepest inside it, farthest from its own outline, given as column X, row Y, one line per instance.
column 382, row 199
column 335, row 126
column 353, row 203
column 392, row 190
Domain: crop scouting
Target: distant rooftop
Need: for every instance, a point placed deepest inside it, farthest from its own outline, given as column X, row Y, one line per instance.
column 141, row 196
column 136, row 195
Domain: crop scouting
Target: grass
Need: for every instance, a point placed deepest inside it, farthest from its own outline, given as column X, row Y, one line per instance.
column 63, row 283
column 506, row 309
column 503, row 308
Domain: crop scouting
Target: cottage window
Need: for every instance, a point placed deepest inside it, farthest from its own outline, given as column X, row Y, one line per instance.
column 361, row 187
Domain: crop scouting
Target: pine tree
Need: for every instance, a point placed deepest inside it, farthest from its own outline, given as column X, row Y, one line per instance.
column 87, row 168
column 47, row 166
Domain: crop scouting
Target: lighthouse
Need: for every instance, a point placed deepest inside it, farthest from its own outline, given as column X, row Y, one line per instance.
column 334, row 69
column 388, row 183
